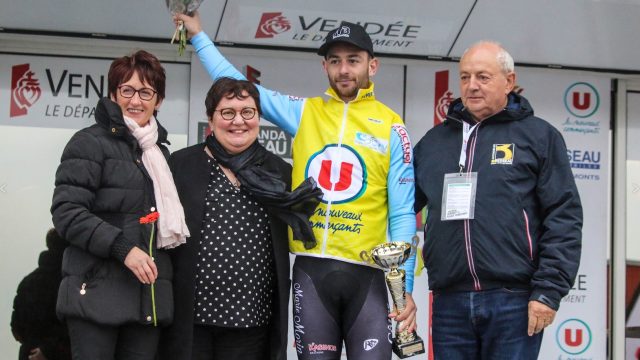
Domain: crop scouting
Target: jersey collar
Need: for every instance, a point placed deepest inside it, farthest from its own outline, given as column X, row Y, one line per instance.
column 363, row 94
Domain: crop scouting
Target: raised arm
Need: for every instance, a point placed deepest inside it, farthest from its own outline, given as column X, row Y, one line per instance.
column 283, row 110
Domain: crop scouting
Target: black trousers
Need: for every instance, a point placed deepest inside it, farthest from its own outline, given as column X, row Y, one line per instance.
column 220, row 343
column 100, row 342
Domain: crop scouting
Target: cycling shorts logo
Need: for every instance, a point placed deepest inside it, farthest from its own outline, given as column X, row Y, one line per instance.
column 321, row 348
column 369, row 344
column 339, row 172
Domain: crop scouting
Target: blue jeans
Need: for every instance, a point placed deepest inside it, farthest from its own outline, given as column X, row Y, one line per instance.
column 483, row 325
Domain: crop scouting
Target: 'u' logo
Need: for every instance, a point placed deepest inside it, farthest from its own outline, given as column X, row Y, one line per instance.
column 581, row 104
column 570, row 340
column 324, row 178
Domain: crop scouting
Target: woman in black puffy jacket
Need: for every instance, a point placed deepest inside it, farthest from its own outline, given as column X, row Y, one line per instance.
column 116, row 286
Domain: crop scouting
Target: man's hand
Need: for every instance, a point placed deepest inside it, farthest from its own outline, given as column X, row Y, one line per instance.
column 407, row 318
column 141, row 265
column 540, row 316
column 191, row 23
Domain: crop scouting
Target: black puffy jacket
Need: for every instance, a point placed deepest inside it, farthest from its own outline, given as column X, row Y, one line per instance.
column 102, row 190
column 527, row 228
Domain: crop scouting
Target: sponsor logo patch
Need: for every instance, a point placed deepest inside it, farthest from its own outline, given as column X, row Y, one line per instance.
column 298, row 328
column 405, row 142
column 404, row 180
column 344, row 31
column 321, row 348
column 502, row 154
column 339, row 171
column 369, row 344
column 366, row 140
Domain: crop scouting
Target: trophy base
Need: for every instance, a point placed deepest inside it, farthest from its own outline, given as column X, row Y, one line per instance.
column 408, row 349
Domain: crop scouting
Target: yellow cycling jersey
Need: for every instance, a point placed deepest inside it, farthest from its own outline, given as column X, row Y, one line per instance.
column 345, row 147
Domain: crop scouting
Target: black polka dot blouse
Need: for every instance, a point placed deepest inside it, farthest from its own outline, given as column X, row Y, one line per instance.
column 235, row 270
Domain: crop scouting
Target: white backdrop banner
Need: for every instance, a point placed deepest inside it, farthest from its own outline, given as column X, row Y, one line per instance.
column 62, row 92
column 290, row 23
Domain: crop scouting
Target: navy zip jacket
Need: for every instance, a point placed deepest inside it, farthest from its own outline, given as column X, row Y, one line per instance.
column 527, row 228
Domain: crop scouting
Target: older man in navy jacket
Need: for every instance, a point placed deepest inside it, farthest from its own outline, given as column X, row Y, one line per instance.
column 504, row 224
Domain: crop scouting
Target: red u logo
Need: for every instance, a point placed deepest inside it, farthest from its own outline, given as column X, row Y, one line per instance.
column 569, row 340
column 324, row 178
column 581, row 104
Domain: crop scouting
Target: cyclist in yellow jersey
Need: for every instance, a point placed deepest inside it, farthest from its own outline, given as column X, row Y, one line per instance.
column 359, row 153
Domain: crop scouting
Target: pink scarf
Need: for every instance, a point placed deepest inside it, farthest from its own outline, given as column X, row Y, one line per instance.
column 172, row 229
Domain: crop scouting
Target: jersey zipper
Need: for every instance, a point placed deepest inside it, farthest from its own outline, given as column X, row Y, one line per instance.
column 327, row 217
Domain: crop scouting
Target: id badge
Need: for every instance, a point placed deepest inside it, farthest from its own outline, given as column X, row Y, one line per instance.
column 459, row 196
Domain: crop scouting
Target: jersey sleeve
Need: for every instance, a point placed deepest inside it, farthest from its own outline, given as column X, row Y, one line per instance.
column 400, row 194
column 283, row 110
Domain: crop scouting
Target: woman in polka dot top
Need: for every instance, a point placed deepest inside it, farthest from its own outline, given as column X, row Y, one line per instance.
column 231, row 278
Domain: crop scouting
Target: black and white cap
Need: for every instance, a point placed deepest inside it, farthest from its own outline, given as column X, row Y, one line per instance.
column 349, row 33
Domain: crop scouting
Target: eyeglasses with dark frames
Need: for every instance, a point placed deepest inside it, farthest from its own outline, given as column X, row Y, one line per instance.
column 145, row 94
column 229, row 114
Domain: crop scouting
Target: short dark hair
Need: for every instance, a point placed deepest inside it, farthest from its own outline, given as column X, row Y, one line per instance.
column 55, row 242
column 145, row 64
column 226, row 87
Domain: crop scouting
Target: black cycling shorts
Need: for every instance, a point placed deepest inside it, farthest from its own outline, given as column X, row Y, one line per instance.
column 336, row 301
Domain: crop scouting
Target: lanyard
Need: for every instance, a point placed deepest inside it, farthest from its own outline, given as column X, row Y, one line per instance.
column 467, row 130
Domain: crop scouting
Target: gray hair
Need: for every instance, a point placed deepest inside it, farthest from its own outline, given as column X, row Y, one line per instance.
column 504, row 58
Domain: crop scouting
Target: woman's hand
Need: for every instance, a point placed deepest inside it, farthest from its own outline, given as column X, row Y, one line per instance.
column 142, row 266
column 191, row 23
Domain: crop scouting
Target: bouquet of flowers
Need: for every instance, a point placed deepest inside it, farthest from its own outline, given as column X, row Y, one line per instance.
column 182, row 7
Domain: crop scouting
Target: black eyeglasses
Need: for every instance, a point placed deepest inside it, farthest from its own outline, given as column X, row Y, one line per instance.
column 229, row 114
column 145, row 94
